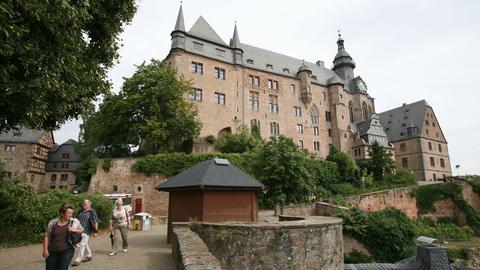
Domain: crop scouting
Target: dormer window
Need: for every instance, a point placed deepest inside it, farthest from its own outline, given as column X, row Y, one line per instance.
column 269, row 66
column 219, row 52
column 314, row 77
column 250, row 61
column 286, row 70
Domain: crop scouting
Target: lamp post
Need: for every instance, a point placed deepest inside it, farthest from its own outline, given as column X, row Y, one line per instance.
column 457, row 166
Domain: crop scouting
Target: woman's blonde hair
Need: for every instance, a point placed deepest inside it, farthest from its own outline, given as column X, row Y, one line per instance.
column 119, row 201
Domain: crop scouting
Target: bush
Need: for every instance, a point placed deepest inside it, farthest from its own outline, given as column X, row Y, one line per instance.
column 357, row 257
column 238, row 142
column 401, row 177
column 440, row 230
column 344, row 189
column 26, row 213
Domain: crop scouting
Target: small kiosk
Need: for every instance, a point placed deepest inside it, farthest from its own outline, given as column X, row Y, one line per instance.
column 211, row 191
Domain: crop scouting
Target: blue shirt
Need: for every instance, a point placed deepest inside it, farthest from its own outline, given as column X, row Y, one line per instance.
column 88, row 219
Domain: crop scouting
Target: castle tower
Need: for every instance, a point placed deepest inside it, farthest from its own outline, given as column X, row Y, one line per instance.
column 178, row 33
column 343, row 63
column 304, row 73
column 237, row 50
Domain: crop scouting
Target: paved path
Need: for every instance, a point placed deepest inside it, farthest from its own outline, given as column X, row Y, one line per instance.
column 147, row 250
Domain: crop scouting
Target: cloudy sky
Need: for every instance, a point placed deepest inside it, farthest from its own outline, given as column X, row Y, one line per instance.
column 405, row 50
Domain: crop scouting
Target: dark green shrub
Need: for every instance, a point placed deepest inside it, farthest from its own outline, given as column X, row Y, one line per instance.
column 107, row 164
column 457, row 254
column 357, row 257
column 445, row 231
column 344, row 189
column 402, row 177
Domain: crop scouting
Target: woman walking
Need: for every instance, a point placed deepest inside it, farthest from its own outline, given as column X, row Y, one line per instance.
column 57, row 250
column 119, row 223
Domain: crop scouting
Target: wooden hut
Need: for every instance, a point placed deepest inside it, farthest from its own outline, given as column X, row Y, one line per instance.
column 211, row 191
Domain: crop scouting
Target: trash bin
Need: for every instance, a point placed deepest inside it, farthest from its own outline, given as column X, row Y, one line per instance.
column 142, row 221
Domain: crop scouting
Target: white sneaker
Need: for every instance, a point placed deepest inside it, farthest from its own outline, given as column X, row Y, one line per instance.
column 125, row 251
column 112, row 253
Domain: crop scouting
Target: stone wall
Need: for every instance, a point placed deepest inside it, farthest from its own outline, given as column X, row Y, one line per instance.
column 189, row 252
column 304, row 210
column 120, row 179
column 314, row 243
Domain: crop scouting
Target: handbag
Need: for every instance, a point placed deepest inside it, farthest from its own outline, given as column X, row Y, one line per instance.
column 73, row 237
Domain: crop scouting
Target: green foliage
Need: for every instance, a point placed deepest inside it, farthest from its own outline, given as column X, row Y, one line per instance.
column 388, row 234
column 441, row 230
column 429, row 194
column 457, row 254
column 54, row 58
column 401, row 177
column 240, row 141
column 344, row 189
column 380, row 162
column 107, row 164
column 284, row 170
column 347, row 168
column 26, row 213
column 357, row 257
column 475, row 183
column 149, row 112
column 210, row 139
column 84, row 173
column 174, row 163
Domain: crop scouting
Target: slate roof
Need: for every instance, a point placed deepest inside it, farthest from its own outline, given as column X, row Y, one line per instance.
column 208, row 174
column 427, row 258
column 261, row 57
column 371, row 129
column 55, row 157
column 396, row 121
column 23, row 135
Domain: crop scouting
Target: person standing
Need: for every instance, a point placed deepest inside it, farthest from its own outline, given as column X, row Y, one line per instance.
column 57, row 250
column 119, row 223
column 89, row 220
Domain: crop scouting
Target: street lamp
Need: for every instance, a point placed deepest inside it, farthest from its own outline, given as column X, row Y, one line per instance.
column 457, row 166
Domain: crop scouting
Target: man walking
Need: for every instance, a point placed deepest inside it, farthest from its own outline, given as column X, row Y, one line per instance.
column 89, row 220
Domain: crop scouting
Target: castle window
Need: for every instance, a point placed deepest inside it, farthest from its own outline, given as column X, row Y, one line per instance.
column 272, row 84
column 269, row 66
column 297, row 111
column 10, row 148
column 254, row 122
column 250, row 61
column 197, row 46
column 64, row 177
column 329, row 133
column 219, row 98
column 315, row 131
column 8, row 161
column 403, row 147
column 328, row 116
column 316, row 146
column 300, row 143
column 432, row 161
column 66, row 156
column 254, row 80
column 429, row 146
column 219, row 73
column 324, row 96
column 195, row 94
column 434, row 177
column 53, row 178
column 442, row 163
column 426, row 131
column 404, row 162
column 115, row 188
column 273, row 104
column 274, row 128
column 350, row 111
column 219, row 52
column 365, row 111
column 65, row 165
column 254, row 101
column 314, row 115
column 197, row 67
column 427, row 123
column 439, row 148
column 314, row 77
column 299, row 128
column 292, row 87
column 433, row 124
column 286, row 70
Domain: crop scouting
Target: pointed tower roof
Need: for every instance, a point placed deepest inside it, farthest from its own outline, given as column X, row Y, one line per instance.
column 235, row 41
column 304, row 67
column 342, row 58
column 203, row 30
column 180, row 24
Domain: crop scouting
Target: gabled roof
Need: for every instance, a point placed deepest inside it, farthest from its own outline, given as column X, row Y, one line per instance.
column 23, row 135
column 212, row 173
column 203, row 30
column 371, row 130
column 396, row 121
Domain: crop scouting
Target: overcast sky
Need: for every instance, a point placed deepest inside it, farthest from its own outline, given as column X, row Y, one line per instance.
column 405, row 50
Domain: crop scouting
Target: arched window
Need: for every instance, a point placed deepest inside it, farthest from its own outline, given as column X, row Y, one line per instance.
column 314, row 115
column 365, row 111
column 350, row 112
column 370, row 111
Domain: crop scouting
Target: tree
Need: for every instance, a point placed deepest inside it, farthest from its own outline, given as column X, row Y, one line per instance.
column 284, row 170
column 150, row 112
column 347, row 168
column 241, row 141
column 54, row 58
column 380, row 162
